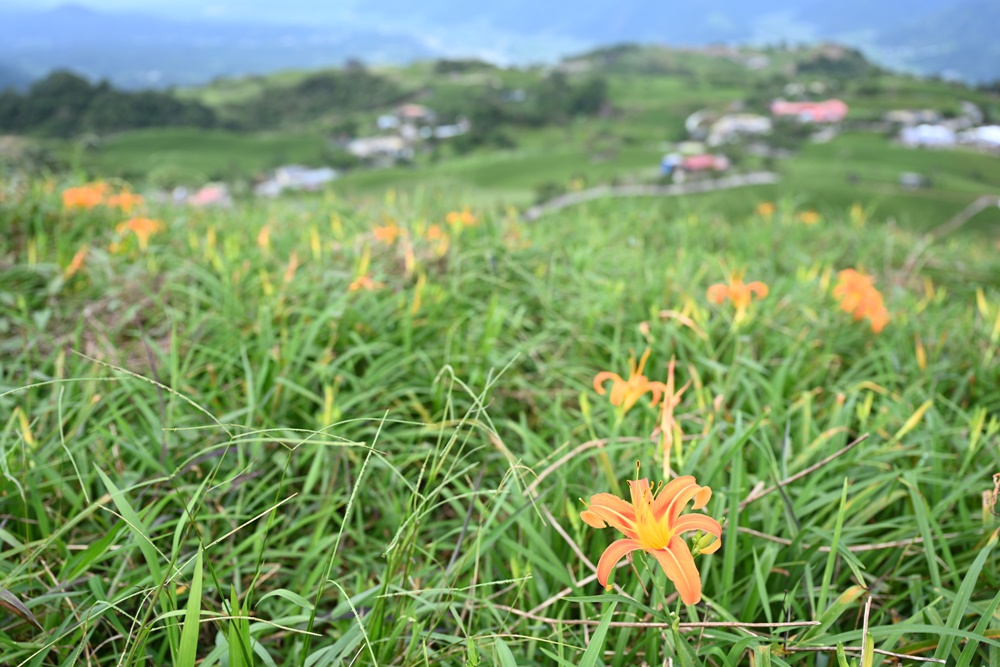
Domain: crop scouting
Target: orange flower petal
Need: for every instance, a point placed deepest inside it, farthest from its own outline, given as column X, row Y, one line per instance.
column 706, row 524
column 758, row 288
column 603, row 377
column 678, row 564
column 613, row 554
column 610, row 510
column 717, row 293
column 665, row 500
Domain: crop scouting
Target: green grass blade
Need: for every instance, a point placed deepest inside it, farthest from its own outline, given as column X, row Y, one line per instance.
column 963, row 596
column 592, row 656
column 189, row 634
column 504, row 656
column 136, row 526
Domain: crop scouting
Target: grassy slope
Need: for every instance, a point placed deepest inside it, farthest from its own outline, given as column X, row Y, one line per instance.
column 653, row 91
column 367, row 453
column 208, row 153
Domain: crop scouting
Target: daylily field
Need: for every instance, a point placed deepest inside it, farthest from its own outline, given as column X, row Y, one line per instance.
column 407, row 431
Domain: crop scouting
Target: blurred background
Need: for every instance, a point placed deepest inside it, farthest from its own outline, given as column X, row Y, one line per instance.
column 514, row 101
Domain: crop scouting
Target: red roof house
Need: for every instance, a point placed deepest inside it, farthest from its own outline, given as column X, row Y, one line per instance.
column 828, row 111
column 705, row 162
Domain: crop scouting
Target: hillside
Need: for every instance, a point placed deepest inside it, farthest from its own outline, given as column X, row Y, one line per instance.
column 647, row 92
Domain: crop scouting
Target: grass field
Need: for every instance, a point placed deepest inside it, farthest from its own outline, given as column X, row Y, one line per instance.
column 196, row 155
column 356, row 439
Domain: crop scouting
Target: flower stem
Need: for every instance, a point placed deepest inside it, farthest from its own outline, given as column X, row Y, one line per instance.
column 609, row 470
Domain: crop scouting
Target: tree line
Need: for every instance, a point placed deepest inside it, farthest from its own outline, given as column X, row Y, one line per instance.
column 64, row 104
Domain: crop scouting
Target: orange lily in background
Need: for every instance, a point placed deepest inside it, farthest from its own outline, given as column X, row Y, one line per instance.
column 77, row 262
column 740, row 293
column 264, row 238
column 808, row 217
column 125, row 201
column 669, row 430
column 84, row 196
column 293, row 266
column 366, row 283
column 624, row 393
column 463, row 217
column 652, row 522
column 765, row 209
column 387, row 234
column 858, row 296
column 143, row 228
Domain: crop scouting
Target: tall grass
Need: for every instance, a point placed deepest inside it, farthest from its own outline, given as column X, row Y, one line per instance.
column 211, row 453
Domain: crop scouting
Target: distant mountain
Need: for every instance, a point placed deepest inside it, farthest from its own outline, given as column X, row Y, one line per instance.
column 201, row 40
column 134, row 49
column 11, row 77
column 960, row 41
column 928, row 36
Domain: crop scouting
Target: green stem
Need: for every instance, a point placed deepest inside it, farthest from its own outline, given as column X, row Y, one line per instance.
column 609, row 470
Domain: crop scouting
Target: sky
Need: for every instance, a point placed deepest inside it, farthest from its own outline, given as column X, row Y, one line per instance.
column 287, row 10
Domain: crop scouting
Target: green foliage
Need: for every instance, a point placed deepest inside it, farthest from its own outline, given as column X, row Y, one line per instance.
column 392, row 476
column 64, row 104
column 317, row 95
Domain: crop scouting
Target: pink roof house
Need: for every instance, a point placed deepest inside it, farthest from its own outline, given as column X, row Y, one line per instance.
column 705, row 162
column 828, row 111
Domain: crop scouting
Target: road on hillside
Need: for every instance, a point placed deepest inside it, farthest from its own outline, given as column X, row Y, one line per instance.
column 605, row 191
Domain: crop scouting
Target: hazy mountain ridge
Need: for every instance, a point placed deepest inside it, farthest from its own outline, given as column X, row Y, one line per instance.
column 135, row 49
column 182, row 47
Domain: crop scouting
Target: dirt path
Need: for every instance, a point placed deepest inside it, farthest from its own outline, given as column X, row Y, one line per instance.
column 965, row 215
column 604, row 191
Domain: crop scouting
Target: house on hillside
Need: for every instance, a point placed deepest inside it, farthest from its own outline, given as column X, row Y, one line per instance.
column 379, row 147
column 295, row 177
column 704, row 162
column 928, row 136
column 451, row 131
column 732, row 127
column 907, row 117
column 987, row 136
column 828, row 111
column 414, row 114
column 680, row 166
column 213, row 195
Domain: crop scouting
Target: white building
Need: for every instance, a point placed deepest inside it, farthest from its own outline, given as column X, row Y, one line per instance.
column 732, row 126
column 987, row 136
column 369, row 147
column 295, row 177
column 928, row 135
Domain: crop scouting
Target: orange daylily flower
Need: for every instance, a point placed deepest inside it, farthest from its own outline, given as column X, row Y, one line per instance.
column 124, row 201
column 652, row 522
column 143, row 228
column 84, row 196
column 624, row 393
column 765, row 209
column 669, row 430
column 858, row 296
column 264, row 238
column 808, row 217
column 740, row 293
column 293, row 266
column 439, row 238
column 77, row 262
column 366, row 283
column 387, row 233
column 463, row 217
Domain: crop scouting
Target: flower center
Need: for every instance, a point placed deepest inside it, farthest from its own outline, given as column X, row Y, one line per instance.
column 652, row 534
